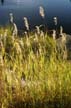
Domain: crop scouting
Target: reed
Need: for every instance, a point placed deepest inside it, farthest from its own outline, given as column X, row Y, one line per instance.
column 33, row 72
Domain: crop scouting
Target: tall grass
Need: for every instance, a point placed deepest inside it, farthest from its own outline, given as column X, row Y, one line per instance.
column 33, row 72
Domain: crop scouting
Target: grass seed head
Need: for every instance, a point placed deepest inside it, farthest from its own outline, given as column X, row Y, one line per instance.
column 41, row 12
column 11, row 17
column 15, row 31
column 55, row 20
column 26, row 23
column 54, row 34
column 61, row 30
column 38, row 29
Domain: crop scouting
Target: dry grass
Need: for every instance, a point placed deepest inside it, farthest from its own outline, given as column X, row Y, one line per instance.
column 33, row 72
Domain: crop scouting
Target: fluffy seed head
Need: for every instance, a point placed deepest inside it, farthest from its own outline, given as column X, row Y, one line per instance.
column 38, row 29
column 54, row 34
column 41, row 11
column 26, row 23
column 42, row 34
column 61, row 30
column 63, row 37
column 15, row 31
column 11, row 17
column 55, row 20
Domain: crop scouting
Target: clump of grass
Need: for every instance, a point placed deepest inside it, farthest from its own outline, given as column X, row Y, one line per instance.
column 33, row 72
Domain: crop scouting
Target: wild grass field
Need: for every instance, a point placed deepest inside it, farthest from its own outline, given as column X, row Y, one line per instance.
column 33, row 72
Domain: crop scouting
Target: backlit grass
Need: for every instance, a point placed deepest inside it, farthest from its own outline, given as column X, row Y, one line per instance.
column 33, row 72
